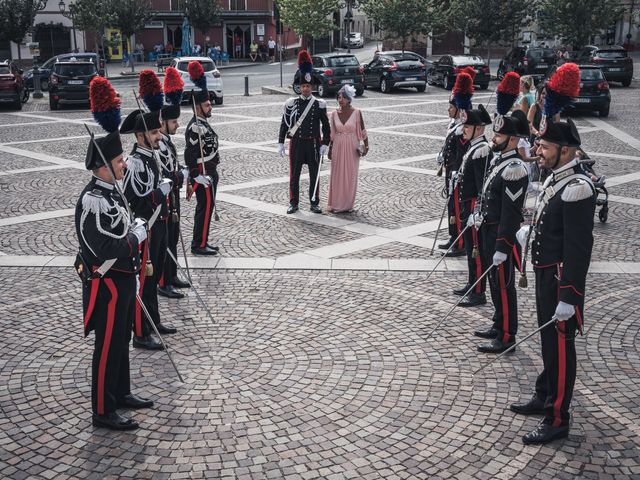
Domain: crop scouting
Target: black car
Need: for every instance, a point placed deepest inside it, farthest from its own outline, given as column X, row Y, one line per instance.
column 445, row 70
column 535, row 61
column 614, row 61
column 69, row 82
column 594, row 92
column 333, row 70
column 394, row 69
column 44, row 70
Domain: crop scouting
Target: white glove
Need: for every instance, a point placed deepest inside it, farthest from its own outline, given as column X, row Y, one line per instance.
column 522, row 234
column 165, row 186
column 564, row 311
column 499, row 258
column 139, row 229
column 137, row 284
column 203, row 180
column 324, row 149
column 475, row 219
column 185, row 173
column 281, row 151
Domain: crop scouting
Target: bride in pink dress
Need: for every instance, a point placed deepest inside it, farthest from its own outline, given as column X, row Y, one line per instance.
column 345, row 150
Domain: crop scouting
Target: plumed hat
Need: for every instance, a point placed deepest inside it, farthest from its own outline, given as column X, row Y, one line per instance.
column 199, row 79
column 463, row 91
column 561, row 88
column 137, row 120
column 562, row 133
column 476, row 116
column 514, row 124
column 105, row 107
column 304, row 74
column 173, row 90
column 150, row 90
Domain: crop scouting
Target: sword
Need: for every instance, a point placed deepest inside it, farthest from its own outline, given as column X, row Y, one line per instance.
column 453, row 244
column 459, row 301
column 435, row 240
column 216, row 217
column 519, row 342
column 154, row 217
column 155, row 329
column 315, row 188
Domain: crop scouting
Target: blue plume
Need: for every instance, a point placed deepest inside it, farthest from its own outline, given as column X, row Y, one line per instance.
column 306, row 68
column 109, row 120
column 175, row 97
column 154, row 101
column 201, row 83
column 463, row 101
column 554, row 103
column 504, row 102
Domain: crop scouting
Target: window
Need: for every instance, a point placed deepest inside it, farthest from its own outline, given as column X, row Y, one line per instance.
column 317, row 62
column 207, row 66
column 75, row 69
column 345, row 61
column 5, row 70
column 237, row 5
column 591, row 74
column 611, row 54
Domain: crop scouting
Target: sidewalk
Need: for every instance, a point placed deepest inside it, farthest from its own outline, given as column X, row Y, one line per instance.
column 115, row 70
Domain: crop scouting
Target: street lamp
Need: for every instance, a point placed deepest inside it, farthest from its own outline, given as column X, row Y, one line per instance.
column 38, row 6
column 348, row 19
column 70, row 15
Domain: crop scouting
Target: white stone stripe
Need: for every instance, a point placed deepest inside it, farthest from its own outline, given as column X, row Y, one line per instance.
column 27, row 124
column 616, row 132
column 44, row 157
column 33, row 170
column 613, row 155
column 36, row 217
column 620, row 179
column 301, row 262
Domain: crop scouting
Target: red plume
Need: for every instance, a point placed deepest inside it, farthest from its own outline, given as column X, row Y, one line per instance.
column 470, row 70
column 303, row 57
column 566, row 80
column 172, row 80
column 102, row 96
column 463, row 85
column 149, row 83
column 195, row 70
column 510, row 84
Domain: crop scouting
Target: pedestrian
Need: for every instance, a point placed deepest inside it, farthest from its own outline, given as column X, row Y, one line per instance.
column 503, row 196
column 527, row 94
column 202, row 158
column 349, row 142
column 305, row 123
column 107, row 262
column 168, row 48
column 178, row 174
column 563, row 240
column 146, row 192
column 451, row 158
column 272, row 49
column 253, row 51
column 469, row 182
column 237, row 42
column 262, row 50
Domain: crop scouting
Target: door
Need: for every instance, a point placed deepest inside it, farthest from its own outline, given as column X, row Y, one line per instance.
column 370, row 77
column 444, row 68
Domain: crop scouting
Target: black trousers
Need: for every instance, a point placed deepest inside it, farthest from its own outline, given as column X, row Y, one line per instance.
column 502, row 285
column 453, row 211
column 112, row 308
column 471, row 240
column 154, row 249
column 555, row 383
column 173, row 237
column 301, row 152
column 205, row 201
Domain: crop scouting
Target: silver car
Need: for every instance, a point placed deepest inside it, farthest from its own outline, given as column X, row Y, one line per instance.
column 214, row 79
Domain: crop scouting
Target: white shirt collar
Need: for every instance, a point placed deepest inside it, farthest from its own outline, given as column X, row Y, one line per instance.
column 569, row 165
column 103, row 184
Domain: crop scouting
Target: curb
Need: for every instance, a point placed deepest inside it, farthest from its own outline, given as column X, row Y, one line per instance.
column 129, row 75
column 277, row 91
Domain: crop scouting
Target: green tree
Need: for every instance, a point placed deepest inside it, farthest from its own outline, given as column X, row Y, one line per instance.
column 93, row 16
column 16, row 20
column 203, row 15
column 128, row 16
column 576, row 22
column 405, row 19
column 311, row 18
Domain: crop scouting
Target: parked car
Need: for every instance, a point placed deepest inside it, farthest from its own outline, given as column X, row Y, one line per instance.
column 214, row 79
column 535, row 61
column 69, row 82
column 395, row 69
column 12, row 88
column 45, row 69
column 614, row 61
column 445, row 70
column 333, row 70
column 594, row 91
column 354, row 40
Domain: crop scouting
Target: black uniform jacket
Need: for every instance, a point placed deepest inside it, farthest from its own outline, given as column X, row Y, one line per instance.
column 141, row 181
column 474, row 166
column 505, row 190
column 312, row 123
column 192, row 155
column 171, row 168
column 563, row 234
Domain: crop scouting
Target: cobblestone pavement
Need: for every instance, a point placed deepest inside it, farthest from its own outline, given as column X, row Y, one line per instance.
column 318, row 364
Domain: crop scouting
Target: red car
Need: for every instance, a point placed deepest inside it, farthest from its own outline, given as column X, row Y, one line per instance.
column 12, row 89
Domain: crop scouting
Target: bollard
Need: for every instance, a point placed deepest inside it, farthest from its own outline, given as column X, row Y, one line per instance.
column 37, row 92
column 246, row 85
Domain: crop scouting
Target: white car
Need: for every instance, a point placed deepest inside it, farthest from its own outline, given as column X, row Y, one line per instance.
column 214, row 80
column 355, row 40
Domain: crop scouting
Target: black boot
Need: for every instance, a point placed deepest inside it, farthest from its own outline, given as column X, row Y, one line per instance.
column 535, row 406
column 147, row 343
column 545, row 433
column 456, row 252
column 169, row 291
column 462, row 291
column 446, row 245
column 176, row 282
column 213, row 247
column 496, row 346
column 114, row 421
column 473, row 299
column 166, row 329
column 489, row 333
column 315, row 209
column 292, row 209
column 132, row 401
column 203, row 251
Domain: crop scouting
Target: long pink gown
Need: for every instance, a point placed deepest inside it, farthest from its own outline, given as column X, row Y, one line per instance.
column 345, row 161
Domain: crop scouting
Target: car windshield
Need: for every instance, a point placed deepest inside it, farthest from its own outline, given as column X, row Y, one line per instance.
column 539, row 53
column 612, row 54
column 4, row 69
column 591, row 74
column 343, row 62
column 467, row 60
column 75, row 69
column 354, row 35
column 404, row 57
column 207, row 66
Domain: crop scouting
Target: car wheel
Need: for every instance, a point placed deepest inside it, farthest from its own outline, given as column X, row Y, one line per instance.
column 322, row 91
column 421, row 88
column 448, row 85
column 17, row 104
column 430, row 79
column 218, row 100
column 603, row 214
column 359, row 92
column 604, row 112
column 25, row 95
column 384, row 86
column 500, row 72
column 53, row 104
column 483, row 86
column 626, row 83
column 296, row 89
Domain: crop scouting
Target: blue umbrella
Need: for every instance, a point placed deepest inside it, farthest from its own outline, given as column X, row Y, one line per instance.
column 186, row 40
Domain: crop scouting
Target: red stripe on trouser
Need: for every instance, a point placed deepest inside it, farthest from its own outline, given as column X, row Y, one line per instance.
column 505, row 304
column 207, row 218
column 474, row 236
column 290, row 169
column 104, row 355
column 562, row 373
column 145, row 256
column 162, row 281
column 95, row 284
column 456, row 209
column 516, row 257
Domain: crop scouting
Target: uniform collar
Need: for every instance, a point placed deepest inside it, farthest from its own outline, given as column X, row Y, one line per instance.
column 102, row 184
column 569, row 165
column 201, row 119
column 477, row 140
column 144, row 150
column 310, row 97
column 509, row 154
